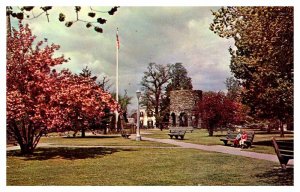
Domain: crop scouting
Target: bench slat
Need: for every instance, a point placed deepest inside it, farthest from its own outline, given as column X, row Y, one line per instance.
column 176, row 134
column 284, row 151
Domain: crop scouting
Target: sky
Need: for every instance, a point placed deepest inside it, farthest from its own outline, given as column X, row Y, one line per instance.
column 159, row 34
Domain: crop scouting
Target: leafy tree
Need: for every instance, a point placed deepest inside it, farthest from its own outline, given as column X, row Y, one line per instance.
column 179, row 78
column 79, row 101
column 86, row 72
column 263, row 58
column 233, row 88
column 216, row 110
column 124, row 101
column 154, row 82
column 29, row 87
column 105, row 84
column 38, row 100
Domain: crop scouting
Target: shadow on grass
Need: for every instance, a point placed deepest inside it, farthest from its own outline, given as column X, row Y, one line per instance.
column 93, row 137
column 68, row 153
column 278, row 177
column 218, row 136
column 265, row 143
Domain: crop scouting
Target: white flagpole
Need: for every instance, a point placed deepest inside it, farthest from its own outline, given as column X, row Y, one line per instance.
column 117, row 76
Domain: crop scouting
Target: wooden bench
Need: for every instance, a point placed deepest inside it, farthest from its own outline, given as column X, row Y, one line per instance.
column 176, row 134
column 250, row 139
column 230, row 137
column 284, row 150
column 186, row 129
column 125, row 134
column 190, row 129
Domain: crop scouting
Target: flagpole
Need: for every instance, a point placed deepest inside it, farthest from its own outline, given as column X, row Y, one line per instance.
column 117, row 76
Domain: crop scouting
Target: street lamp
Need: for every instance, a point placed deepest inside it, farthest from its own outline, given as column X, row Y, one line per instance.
column 138, row 136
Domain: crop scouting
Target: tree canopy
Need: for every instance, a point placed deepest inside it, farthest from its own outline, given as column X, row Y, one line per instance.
column 29, row 87
column 217, row 110
column 179, row 78
column 39, row 100
column 262, row 59
column 154, row 82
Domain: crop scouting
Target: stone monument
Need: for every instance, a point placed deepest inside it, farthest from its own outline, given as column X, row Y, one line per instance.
column 183, row 108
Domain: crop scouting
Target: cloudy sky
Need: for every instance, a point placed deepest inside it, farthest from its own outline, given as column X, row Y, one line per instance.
column 147, row 34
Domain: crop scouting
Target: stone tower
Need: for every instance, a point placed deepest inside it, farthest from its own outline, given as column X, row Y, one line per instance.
column 183, row 108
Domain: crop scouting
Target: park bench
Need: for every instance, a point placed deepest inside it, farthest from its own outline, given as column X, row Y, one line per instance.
column 230, row 137
column 190, row 129
column 177, row 134
column 125, row 134
column 284, row 150
column 186, row 129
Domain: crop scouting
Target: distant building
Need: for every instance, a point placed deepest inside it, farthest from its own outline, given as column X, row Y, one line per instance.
column 147, row 118
column 183, row 108
column 131, row 120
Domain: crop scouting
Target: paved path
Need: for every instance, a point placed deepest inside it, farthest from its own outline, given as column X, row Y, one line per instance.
column 219, row 148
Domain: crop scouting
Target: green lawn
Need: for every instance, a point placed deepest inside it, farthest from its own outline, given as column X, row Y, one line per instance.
column 112, row 140
column 262, row 140
column 198, row 136
column 140, row 166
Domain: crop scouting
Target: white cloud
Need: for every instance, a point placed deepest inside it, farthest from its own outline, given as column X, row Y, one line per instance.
column 147, row 34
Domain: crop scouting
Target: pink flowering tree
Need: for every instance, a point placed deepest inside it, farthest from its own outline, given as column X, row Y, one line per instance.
column 39, row 100
column 78, row 101
column 29, row 87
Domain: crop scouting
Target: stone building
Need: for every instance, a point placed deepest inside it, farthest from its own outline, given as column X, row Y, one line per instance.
column 183, row 108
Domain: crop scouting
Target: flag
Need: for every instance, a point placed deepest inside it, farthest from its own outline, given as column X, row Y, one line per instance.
column 118, row 42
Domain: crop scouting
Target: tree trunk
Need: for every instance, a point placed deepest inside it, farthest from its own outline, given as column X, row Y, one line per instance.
column 269, row 128
column 210, row 129
column 82, row 132
column 26, row 149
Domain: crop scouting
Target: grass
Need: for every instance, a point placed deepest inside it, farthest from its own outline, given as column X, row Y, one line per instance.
column 115, row 166
column 107, row 140
column 261, row 144
column 140, row 166
column 198, row 136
